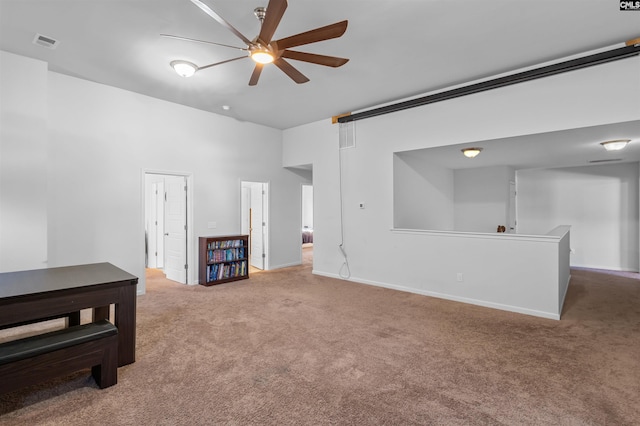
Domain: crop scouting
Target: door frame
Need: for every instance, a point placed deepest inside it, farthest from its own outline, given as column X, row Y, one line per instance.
column 512, row 225
column 154, row 244
column 266, row 215
column 192, row 269
column 302, row 209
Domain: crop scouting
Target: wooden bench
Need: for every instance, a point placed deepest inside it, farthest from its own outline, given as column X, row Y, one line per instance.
column 45, row 356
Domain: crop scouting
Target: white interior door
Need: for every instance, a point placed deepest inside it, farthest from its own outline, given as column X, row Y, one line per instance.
column 152, row 220
column 257, row 226
column 175, row 236
column 159, row 208
column 512, row 208
column 155, row 227
column 307, row 207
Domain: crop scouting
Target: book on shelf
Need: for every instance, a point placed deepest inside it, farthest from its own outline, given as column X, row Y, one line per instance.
column 220, row 271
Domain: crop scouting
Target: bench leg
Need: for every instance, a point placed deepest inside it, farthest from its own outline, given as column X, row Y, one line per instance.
column 73, row 318
column 106, row 373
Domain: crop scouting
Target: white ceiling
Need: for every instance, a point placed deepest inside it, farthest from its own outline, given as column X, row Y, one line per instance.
column 397, row 48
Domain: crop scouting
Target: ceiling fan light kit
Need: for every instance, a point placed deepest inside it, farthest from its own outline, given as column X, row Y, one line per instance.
column 263, row 50
column 262, row 55
column 184, row 68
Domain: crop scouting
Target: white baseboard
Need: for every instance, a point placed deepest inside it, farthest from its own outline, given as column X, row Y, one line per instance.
column 286, row 265
column 484, row 303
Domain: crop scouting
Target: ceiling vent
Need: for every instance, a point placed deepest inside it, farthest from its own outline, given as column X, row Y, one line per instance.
column 45, row 41
column 606, row 161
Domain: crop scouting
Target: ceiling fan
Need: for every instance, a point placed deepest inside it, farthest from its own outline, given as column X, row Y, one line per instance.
column 263, row 50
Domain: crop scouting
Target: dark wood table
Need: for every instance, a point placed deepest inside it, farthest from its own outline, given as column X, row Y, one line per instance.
column 40, row 294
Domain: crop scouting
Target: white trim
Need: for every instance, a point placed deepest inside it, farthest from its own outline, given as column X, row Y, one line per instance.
column 286, row 265
column 266, row 239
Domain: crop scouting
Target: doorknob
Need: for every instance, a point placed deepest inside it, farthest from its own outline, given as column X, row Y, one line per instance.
column 166, row 234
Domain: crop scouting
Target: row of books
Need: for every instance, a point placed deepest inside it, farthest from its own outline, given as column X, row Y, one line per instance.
column 226, row 255
column 213, row 245
column 220, row 271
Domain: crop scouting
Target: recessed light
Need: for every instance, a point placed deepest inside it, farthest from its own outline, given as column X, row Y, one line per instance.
column 226, row 107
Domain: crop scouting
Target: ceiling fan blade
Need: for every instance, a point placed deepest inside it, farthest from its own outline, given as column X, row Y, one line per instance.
column 329, row 61
column 201, row 41
column 220, row 63
column 275, row 10
column 221, row 20
column 289, row 70
column 312, row 36
column 255, row 75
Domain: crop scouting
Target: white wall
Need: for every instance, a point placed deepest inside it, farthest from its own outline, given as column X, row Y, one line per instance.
column 378, row 255
column 518, row 273
column 423, row 194
column 429, row 196
column 481, row 198
column 101, row 139
column 23, row 163
column 601, row 204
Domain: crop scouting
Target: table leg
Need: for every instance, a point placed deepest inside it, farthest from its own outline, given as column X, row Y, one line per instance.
column 125, row 320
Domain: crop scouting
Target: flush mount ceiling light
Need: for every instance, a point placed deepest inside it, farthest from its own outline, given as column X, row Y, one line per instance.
column 471, row 152
column 184, row 68
column 615, row 145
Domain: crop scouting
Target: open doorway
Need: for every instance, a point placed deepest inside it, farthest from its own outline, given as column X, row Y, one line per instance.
column 307, row 225
column 166, row 209
column 254, row 208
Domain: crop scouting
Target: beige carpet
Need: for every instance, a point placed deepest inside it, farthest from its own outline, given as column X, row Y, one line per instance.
column 289, row 348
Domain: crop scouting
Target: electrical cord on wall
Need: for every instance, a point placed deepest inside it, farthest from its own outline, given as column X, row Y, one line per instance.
column 344, row 271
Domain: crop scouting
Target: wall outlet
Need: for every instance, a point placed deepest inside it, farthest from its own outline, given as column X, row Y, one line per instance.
column 459, row 277
column 212, row 225
column 361, row 205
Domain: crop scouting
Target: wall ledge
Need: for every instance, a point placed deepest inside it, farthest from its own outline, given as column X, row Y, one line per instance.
column 482, row 235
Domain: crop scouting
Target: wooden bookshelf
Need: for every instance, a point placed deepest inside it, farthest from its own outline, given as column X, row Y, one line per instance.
column 223, row 259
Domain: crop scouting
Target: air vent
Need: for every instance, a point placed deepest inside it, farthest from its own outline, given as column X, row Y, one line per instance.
column 45, row 41
column 606, row 161
column 347, row 135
